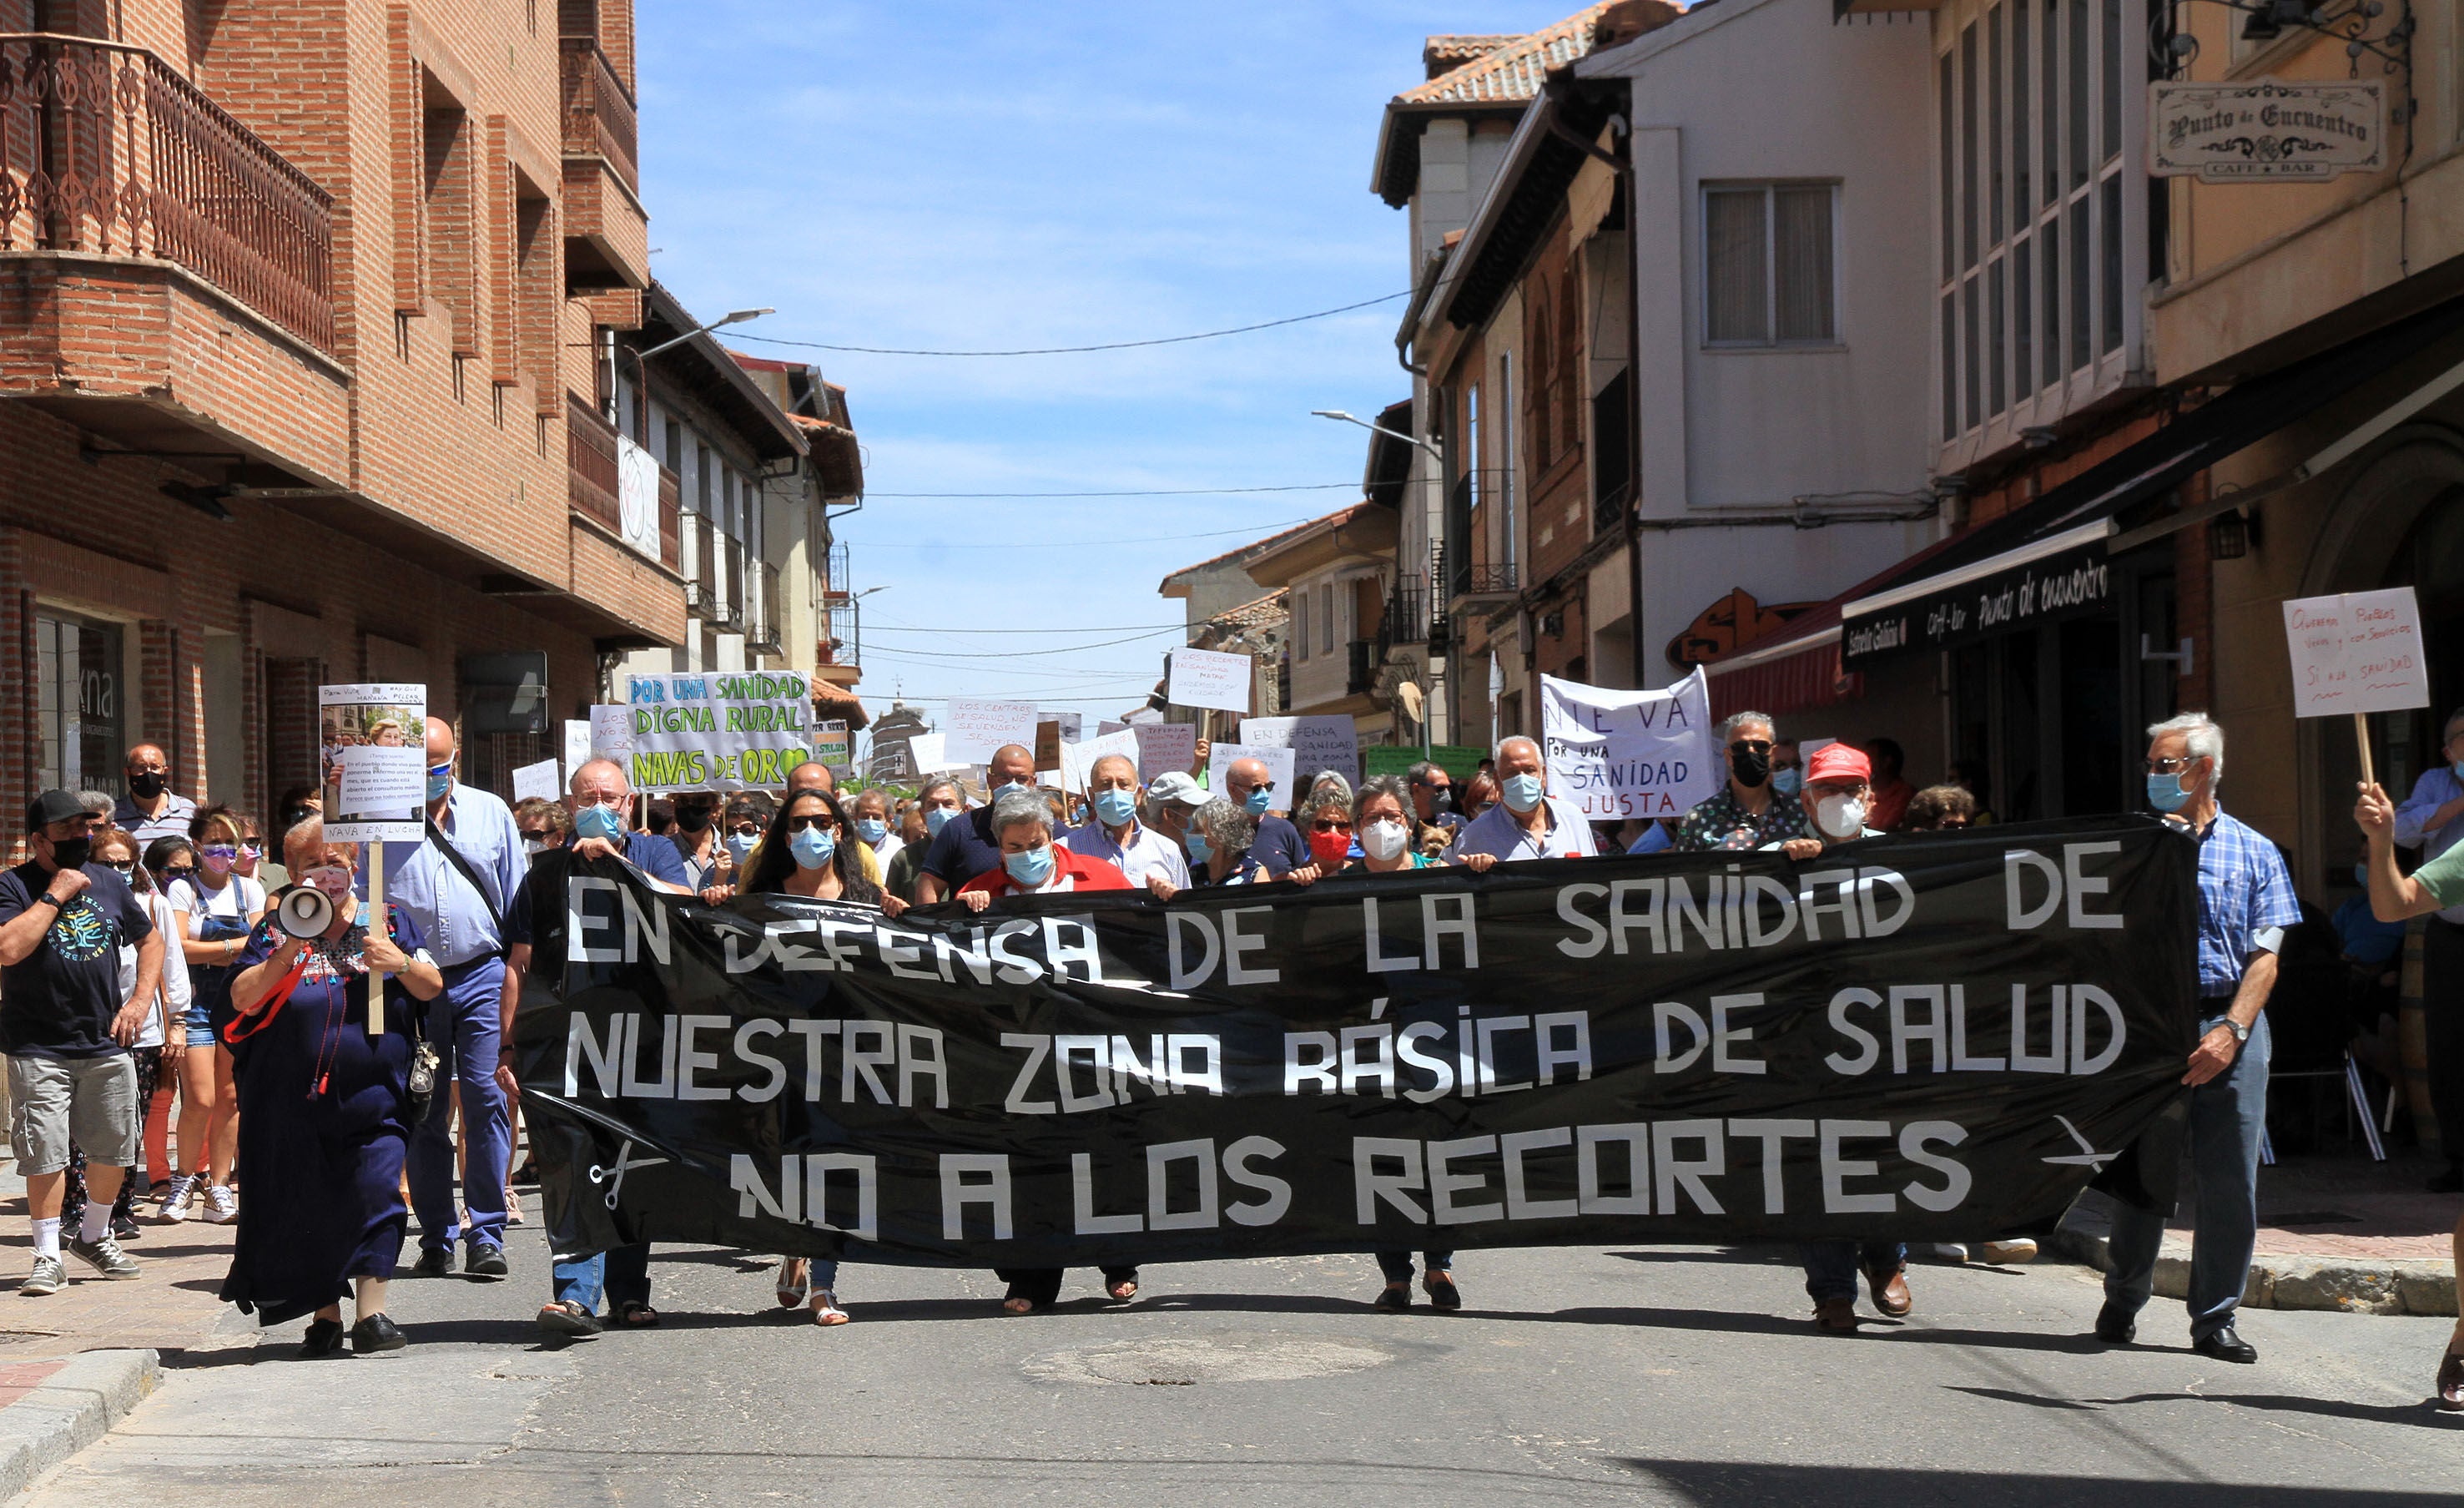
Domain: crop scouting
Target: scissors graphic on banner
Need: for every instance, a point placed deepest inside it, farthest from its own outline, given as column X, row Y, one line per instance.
column 615, row 1177
column 2087, row 1155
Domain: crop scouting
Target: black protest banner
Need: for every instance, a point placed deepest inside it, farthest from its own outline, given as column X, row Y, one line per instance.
column 1932, row 1037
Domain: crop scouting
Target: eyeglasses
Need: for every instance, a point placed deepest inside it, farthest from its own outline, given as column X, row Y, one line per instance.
column 817, row 822
column 1264, row 784
column 1330, row 825
column 2172, row 767
column 1756, row 746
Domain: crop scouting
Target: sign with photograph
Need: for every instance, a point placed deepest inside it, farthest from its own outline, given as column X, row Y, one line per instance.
column 2266, row 130
column 375, row 762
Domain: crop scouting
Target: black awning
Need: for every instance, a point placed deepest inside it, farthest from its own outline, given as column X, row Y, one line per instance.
column 2045, row 561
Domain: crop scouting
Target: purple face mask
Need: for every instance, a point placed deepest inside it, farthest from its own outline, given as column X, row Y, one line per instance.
column 218, row 857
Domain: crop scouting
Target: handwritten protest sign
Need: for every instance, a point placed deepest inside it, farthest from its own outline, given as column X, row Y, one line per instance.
column 1318, row 744
column 1078, row 759
column 1279, row 769
column 924, row 753
column 719, row 730
column 978, row 726
column 375, row 762
column 831, row 744
column 536, row 780
column 1164, row 746
column 2360, row 652
column 1208, row 679
column 611, row 733
column 1618, row 754
column 577, row 745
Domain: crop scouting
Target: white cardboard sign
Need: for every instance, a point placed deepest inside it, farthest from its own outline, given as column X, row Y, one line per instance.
column 924, row 753
column 2360, row 652
column 536, row 780
column 1078, row 759
column 611, row 733
column 1318, row 744
column 1617, row 754
column 978, row 726
column 1164, row 746
column 1279, row 769
column 1210, row 679
column 577, row 748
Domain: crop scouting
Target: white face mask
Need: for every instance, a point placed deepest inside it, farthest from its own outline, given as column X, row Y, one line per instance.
column 1383, row 840
column 1840, row 818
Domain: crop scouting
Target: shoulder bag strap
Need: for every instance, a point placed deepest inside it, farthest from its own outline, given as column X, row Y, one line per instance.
column 462, row 866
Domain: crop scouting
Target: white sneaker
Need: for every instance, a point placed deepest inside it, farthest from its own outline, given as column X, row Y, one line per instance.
column 176, row 1199
column 2004, row 1254
column 222, row 1206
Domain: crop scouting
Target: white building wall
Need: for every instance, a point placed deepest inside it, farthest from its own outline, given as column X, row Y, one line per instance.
column 1773, row 90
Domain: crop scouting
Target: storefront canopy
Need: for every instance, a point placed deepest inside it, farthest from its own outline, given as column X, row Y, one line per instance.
column 2047, row 561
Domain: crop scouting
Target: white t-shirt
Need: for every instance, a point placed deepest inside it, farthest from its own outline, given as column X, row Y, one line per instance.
column 239, row 898
column 175, row 981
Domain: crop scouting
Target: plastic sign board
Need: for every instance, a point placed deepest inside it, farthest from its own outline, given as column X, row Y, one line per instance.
column 2360, row 652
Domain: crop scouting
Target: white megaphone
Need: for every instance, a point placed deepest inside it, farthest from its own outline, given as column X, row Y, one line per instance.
column 304, row 912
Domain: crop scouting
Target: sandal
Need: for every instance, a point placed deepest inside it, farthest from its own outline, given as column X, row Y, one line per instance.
column 567, row 1318
column 826, row 1310
column 2450, row 1382
column 1397, row 1298
column 1442, row 1293
column 634, row 1315
column 795, row 1282
column 1015, row 1302
column 1123, row 1291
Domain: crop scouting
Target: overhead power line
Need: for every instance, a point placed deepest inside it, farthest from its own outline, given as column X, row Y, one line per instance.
column 1073, row 350
column 1173, row 492
column 1262, row 530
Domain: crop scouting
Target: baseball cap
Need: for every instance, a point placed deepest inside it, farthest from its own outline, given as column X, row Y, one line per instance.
column 52, row 805
column 1839, row 761
column 1178, row 785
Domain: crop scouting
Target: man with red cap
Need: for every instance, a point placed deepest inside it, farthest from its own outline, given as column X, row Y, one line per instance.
column 1839, row 793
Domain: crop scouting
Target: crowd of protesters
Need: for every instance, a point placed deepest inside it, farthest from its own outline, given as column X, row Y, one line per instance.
column 347, row 1115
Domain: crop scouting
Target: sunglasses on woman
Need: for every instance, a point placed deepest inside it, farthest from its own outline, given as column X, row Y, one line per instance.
column 174, row 872
column 1330, row 825
column 125, row 867
column 817, row 822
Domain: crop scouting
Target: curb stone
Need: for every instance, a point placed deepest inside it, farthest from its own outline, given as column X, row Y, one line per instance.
column 69, row 1410
column 2346, row 1285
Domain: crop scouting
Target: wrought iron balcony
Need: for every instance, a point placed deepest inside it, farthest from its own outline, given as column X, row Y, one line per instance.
column 764, row 636
column 1360, row 674
column 105, row 148
column 600, row 115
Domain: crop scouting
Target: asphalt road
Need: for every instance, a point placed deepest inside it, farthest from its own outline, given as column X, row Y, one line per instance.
column 1574, row 1376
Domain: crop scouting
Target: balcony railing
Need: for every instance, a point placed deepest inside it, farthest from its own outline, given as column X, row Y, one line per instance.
column 700, row 568
column 837, row 648
column 732, row 611
column 600, row 118
column 590, row 466
column 764, row 633
column 103, row 147
column 1609, row 510
column 1361, row 674
column 1489, row 580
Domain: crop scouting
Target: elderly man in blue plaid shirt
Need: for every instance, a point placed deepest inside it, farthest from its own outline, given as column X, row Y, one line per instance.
column 2246, row 902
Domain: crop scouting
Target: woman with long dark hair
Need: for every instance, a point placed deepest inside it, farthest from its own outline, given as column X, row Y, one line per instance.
column 809, row 851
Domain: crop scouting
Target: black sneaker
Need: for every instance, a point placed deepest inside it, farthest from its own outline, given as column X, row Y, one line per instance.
column 2115, row 1325
column 325, row 1339
column 433, row 1264
column 486, row 1263
column 376, row 1333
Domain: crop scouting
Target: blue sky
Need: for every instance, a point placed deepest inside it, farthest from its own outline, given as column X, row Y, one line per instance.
column 1002, row 176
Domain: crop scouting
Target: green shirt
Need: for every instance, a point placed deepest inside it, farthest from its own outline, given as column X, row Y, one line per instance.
column 2444, row 876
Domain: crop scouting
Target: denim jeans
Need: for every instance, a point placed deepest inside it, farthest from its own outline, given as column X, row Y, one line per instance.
column 463, row 1026
column 1830, row 1267
column 624, row 1270
column 2228, row 1115
column 1397, row 1265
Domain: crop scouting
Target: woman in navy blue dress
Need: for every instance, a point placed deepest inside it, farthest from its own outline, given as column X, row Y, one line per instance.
column 325, row 1108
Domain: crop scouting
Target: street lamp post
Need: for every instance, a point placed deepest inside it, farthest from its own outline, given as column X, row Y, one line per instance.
column 642, row 359
column 1428, row 708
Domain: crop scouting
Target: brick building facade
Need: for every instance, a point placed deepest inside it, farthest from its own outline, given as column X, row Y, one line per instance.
column 296, row 301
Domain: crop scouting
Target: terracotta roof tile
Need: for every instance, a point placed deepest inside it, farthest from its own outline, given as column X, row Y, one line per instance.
column 1451, row 49
column 1239, row 550
column 1512, row 71
column 1272, row 608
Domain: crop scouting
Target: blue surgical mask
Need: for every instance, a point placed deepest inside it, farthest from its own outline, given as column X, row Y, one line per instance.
column 1259, row 796
column 1197, row 848
column 1522, row 792
column 813, row 847
column 1116, row 806
column 1029, row 867
column 598, row 821
column 2165, row 793
column 935, row 818
column 440, row 780
column 740, row 846
column 1015, row 785
column 872, row 830
column 1786, row 782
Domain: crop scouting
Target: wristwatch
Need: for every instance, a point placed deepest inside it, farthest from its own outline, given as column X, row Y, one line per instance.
column 48, row 899
column 2241, row 1033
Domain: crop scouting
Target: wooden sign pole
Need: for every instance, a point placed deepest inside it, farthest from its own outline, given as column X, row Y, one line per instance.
column 2362, row 735
column 376, row 927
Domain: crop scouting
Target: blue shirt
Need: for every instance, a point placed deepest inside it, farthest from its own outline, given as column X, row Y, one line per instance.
column 1280, row 846
column 1497, row 831
column 1147, row 854
column 963, row 848
column 2436, row 789
column 458, row 923
column 2244, row 889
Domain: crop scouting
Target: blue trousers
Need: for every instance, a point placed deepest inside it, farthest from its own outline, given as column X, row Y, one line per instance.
column 622, row 1272
column 463, row 1027
column 1830, row 1266
column 2228, row 1117
column 1397, row 1265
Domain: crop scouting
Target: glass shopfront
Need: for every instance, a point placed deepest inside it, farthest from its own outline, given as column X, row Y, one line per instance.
column 81, row 701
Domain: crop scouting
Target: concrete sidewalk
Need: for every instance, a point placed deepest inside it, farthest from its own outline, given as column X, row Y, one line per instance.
column 2336, row 1231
